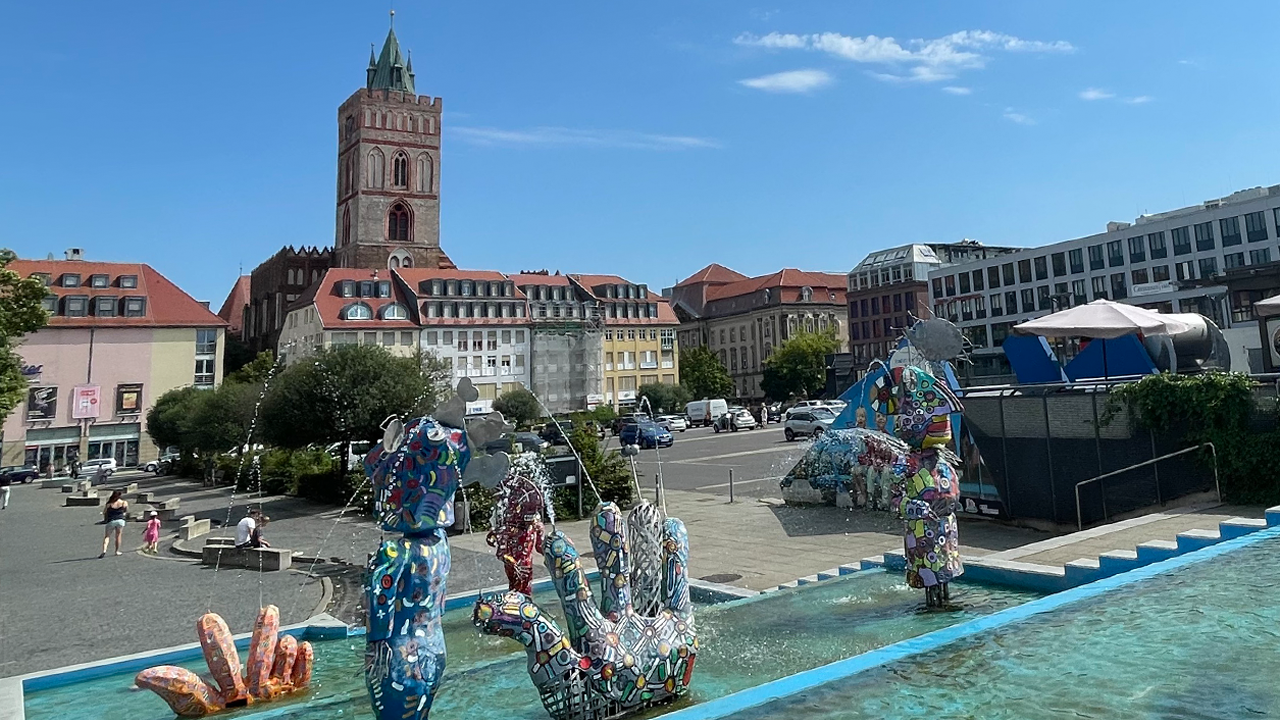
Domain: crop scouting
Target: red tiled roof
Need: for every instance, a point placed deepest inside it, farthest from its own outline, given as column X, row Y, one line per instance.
column 166, row 306
column 666, row 316
column 413, row 277
column 788, row 280
column 327, row 296
column 237, row 300
column 714, row 273
column 522, row 279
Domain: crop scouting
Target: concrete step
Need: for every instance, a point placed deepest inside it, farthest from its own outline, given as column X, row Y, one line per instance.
column 1238, row 527
column 806, row 580
column 1157, row 550
column 850, row 568
column 1272, row 515
column 1190, row 540
column 1114, row 562
column 1081, row 571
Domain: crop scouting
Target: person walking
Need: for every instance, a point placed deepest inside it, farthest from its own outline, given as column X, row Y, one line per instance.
column 5, row 481
column 151, row 536
column 114, row 514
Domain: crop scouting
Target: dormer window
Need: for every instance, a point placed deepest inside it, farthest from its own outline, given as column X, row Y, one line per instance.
column 384, row 288
column 104, row 306
column 99, row 281
column 76, row 306
column 135, row 307
column 71, row 280
column 451, row 288
column 45, row 278
column 806, row 294
column 466, row 288
column 366, row 288
column 437, row 287
column 357, row 311
column 50, row 304
column 395, row 311
column 128, row 281
column 348, row 288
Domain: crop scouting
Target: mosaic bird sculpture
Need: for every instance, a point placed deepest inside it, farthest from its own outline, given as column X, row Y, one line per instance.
column 277, row 666
column 415, row 471
column 613, row 660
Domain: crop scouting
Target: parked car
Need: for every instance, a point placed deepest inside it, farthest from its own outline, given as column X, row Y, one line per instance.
column 646, row 435
column 705, row 412
column 775, row 413
column 672, row 423
column 165, row 461
column 531, row 442
column 734, row 420
column 90, row 467
column 623, row 420
column 804, row 405
column 20, row 473
column 809, row 423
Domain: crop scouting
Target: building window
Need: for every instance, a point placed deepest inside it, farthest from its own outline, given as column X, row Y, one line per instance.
column 1232, row 260
column 1255, row 226
column 357, row 311
column 1028, row 300
column 1011, row 302
column 1115, row 253
column 204, row 372
column 104, row 306
column 1007, row 271
column 1042, row 298
column 949, row 283
column 1204, row 236
column 977, row 281
column 1159, row 273
column 206, row 342
column 1059, row 261
column 1181, row 240
column 398, row 223
column 50, row 304
column 377, row 169
column 76, row 306
column 964, row 286
column 1208, row 266
column 426, row 173
column 135, row 307
column 395, row 311
column 1260, row 256
column 937, row 288
column 1155, row 241
column 1042, row 268
column 347, row 288
column 1118, row 291
column 1096, row 259
column 1077, row 260
column 1078, row 296
column 346, row 226
column 1186, row 270
column 1137, row 249
column 71, row 280
column 1099, row 287
column 99, row 281
column 997, row 309
column 1230, row 228
column 1139, row 276
column 993, row 276
column 400, row 171
column 1024, row 271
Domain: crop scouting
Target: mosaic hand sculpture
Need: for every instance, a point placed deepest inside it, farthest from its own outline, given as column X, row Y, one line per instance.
column 415, row 471
column 277, row 666
column 518, row 530
column 928, row 492
column 613, row 659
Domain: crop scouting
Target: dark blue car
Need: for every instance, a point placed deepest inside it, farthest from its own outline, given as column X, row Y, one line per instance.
column 646, row 435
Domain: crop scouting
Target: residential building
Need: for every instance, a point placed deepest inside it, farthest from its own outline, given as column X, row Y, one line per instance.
column 567, row 342
column 119, row 336
column 477, row 322
column 350, row 306
column 1171, row 261
column 742, row 320
column 889, row 290
column 639, row 336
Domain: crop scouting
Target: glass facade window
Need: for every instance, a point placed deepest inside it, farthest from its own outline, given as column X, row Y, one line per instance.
column 997, row 307
column 1159, row 273
column 964, row 283
column 1181, row 240
column 1204, row 236
column 1140, row 276
column 1233, row 260
column 1208, row 266
column 1024, row 271
column 1260, row 256
column 1077, row 260
column 1096, row 259
column 1059, row 261
column 1230, row 229
column 1099, row 287
column 1115, row 253
column 977, row 281
column 1042, row 268
column 1137, row 250
column 1155, row 242
column 1255, row 226
column 1006, row 271
column 993, row 276
column 1028, row 300
column 1118, row 291
column 1186, row 270
column 1011, row 302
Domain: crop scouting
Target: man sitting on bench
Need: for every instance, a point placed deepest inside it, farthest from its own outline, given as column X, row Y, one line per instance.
column 249, row 530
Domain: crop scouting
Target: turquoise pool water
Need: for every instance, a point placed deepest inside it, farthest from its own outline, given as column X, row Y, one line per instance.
column 1198, row 642
column 743, row 643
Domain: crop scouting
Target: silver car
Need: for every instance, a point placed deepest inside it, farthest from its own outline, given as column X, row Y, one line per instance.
column 672, row 423
column 809, row 423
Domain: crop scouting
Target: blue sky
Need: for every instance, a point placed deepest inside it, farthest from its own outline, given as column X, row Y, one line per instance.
column 641, row 139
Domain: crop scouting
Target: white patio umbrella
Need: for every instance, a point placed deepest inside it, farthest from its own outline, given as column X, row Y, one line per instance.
column 1102, row 320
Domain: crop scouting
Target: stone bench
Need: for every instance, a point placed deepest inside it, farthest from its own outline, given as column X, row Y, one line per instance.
column 220, row 541
column 191, row 527
column 145, row 497
column 88, row 498
column 81, row 486
column 266, row 559
column 130, row 488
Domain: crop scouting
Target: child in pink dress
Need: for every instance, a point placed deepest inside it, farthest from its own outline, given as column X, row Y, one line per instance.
column 152, row 534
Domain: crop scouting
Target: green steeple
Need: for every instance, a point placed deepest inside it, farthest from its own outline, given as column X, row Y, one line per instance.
column 390, row 72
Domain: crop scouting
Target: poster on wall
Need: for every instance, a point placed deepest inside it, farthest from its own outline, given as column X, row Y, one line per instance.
column 42, row 403
column 86, row 401
column 128, row 399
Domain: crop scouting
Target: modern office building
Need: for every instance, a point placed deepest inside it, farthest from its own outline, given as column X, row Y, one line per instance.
column 1172, row 261
column 119, row 336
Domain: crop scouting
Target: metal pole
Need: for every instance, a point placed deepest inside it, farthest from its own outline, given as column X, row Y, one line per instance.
column 1048, row 449
column 1155, row 469
column 730, row 484
column 579, row 489
column 1004, row 452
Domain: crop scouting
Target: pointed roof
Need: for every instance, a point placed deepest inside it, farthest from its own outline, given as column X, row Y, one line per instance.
column 391, row 71
column 714, row 273
column 233, row 307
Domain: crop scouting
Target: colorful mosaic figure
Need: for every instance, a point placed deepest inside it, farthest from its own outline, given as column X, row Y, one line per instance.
column 615, row 660
column 928, row 493
column 518, row 530
column 414, row 474
column 277, row 666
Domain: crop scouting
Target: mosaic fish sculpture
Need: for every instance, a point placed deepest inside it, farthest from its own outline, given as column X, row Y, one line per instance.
column 928, row 492
column 613, row 660
column 517, row 530
column 415, row 471
column 277, row 666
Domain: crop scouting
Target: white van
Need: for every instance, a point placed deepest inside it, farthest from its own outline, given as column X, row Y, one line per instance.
column 705, row 412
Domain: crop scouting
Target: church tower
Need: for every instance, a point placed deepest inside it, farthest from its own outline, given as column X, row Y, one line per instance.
column 388, row 210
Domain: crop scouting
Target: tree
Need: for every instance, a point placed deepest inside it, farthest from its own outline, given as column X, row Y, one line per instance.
column 256, row 370
column 168, row 419
column 799, row 367
column 664, row 398
column 344, row 394
column 21, row 312
column 519, row 406
column 608, row 471
column 236, row 355
column 223, row 417
column 702, row 374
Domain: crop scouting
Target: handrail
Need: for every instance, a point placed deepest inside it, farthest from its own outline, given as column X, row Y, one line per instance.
column 1144, row 463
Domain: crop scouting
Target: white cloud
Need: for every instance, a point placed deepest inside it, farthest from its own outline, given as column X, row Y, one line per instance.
column 1096, row 94
column 564, row 136
column 1139, row 100
column 792, row 81
column 953, row 90
column 1013, row 116
column 918, row 60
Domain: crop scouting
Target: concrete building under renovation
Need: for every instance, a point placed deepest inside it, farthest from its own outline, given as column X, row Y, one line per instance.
column 567, row 343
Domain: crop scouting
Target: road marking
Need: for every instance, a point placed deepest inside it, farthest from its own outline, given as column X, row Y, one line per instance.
column 780, row 448
column 736, row 483
column 710, row 436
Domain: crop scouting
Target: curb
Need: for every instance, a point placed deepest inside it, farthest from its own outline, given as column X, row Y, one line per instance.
column 326, row 596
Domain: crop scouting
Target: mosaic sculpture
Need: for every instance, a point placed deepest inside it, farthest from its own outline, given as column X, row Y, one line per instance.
column 613, row 660
column 415, row 471
column 517, row 529
column 277, row 666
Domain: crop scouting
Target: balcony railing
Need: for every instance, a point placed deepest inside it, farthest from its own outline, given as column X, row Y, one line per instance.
column 648, row 364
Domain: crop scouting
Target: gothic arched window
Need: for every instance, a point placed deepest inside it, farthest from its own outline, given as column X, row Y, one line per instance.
column 400, row 171
column 426, row 173
column 398, row 223
column 377, row 169
column 346, row 225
